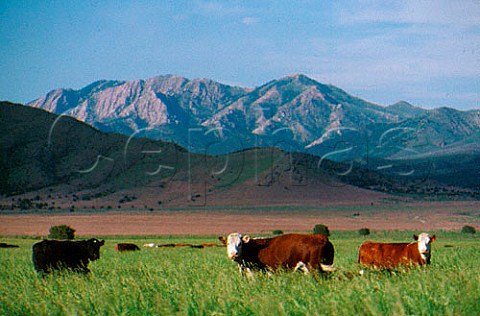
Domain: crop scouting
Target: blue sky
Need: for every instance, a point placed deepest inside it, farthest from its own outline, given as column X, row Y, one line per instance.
column 423, row 52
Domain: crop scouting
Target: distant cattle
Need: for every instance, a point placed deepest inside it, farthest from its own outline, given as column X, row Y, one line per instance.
column 166, row 245
column 174, row 245
column 149, row 245
column 389, row 255
column 126, row 247
column 211, row 245
column 182, row 245
column 5, row 245
column 292, row 251
column 188, row 245
column 72, row 255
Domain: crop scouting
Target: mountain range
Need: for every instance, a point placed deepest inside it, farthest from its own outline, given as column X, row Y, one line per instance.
column 294, row 113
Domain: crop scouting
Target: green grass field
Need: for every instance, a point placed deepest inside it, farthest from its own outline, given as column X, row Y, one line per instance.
column 189, row 281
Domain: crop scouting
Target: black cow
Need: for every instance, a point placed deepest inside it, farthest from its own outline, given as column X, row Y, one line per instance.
column 72, row 255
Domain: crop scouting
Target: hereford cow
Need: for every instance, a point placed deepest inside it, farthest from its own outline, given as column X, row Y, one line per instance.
column 389, row 255
column 72, row 255
column 126, row 247
column 293, row 251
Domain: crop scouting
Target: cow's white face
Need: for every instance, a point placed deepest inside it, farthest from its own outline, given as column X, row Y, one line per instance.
column 424, row 241
column 234, row 245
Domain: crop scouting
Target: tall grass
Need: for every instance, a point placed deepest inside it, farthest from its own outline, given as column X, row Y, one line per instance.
column 188, row 281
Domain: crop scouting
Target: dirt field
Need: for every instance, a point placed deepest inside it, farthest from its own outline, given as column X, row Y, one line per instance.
column 420, row 217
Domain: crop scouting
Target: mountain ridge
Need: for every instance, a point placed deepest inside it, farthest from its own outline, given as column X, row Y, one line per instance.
column 294, row 113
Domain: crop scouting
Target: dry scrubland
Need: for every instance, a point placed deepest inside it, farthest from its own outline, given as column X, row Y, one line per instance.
column 187, row 281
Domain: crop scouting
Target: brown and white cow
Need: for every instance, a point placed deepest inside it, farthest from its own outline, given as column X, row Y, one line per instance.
column 389, row 255
column 292, row 251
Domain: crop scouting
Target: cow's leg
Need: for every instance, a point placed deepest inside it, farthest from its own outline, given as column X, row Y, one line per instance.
column 82, row 267
column 245, row 271
column 86, row 270
column 248, row 273
column 302, row 267
column 328, row 268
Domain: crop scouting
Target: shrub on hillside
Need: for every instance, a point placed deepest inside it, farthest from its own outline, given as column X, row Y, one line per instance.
column 321, row 229
column 364, row 231
column 277, row 232
column 468, row 229
column 61, row 232
column 25, row 204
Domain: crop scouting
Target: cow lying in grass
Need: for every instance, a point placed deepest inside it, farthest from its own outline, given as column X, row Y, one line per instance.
column 49, row 255
column 5, row 245
column 292, row 251
column 390, row 255
column 126, row 247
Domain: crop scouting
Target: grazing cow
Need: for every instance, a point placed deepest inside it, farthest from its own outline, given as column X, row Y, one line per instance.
column 72, row 255
column 294, row 251
column 150, row 245
column 389, row 255
column 126, row 247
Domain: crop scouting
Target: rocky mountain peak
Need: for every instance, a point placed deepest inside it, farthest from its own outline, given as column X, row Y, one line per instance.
column 294, row 111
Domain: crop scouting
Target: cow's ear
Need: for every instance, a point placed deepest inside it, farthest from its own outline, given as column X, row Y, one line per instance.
column 102, row 243
column 433, row 238
column 415, row 237
column 246, row 238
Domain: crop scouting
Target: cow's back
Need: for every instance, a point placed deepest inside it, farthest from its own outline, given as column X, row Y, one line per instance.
column 288, row 250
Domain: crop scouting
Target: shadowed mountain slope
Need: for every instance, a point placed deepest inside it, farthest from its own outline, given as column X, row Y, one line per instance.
column 44, row 151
